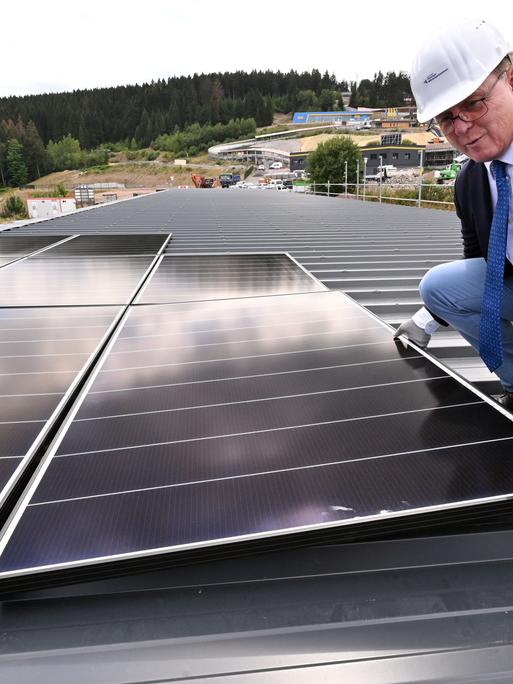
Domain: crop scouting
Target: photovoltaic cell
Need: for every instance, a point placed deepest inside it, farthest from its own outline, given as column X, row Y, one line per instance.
column 218, row 427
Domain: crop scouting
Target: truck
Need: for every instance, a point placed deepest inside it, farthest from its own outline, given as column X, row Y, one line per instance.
column 358, row 124
column 228, row 179
column 383, row 173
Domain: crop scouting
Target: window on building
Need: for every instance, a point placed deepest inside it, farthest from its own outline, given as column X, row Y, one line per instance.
column 407, row 155
column 384, row 155
column 374, row 156
column 395, row 155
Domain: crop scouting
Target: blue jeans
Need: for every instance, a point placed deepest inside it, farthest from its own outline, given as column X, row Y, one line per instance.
column 454, row 292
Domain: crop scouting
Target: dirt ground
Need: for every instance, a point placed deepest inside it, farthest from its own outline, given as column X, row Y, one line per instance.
column 137, row 177
column 309, row 144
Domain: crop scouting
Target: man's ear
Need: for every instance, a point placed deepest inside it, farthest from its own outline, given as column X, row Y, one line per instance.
column 509, row 76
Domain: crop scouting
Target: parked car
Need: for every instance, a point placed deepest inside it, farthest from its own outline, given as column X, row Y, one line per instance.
column 274, row 185
column 276, row 165
column 261, row 167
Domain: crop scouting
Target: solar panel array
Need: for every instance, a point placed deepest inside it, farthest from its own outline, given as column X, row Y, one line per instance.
column 220, row 400
column 377, row 253
column 227, row 421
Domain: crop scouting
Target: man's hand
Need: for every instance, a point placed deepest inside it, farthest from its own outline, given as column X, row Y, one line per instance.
column 414, row 333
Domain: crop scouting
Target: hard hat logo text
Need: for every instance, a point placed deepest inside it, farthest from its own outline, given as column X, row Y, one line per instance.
column 433, row 76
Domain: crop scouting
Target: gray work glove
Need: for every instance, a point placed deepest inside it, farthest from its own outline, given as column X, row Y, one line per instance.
column 414, row 333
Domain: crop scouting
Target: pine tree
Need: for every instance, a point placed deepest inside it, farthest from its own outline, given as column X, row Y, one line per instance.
column 3, row 176
column 35, row 153
column 113, row 114
column 143, row 133
column 16, row 169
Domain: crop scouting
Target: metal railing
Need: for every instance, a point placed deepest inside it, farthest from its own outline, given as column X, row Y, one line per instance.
column 377, row 192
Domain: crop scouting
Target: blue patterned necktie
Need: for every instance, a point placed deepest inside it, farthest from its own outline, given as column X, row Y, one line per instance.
column 490, row 343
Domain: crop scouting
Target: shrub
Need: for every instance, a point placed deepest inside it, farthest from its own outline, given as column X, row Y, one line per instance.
column 14, row 206
column 58, row 191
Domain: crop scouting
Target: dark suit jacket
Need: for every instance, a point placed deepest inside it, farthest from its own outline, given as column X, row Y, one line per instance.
column 473, row 203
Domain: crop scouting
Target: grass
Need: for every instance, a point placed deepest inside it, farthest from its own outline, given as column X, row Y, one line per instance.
column 99, row 168
column 404, row 197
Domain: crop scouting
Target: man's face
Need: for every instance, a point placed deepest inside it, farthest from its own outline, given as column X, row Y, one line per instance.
column 487, row 137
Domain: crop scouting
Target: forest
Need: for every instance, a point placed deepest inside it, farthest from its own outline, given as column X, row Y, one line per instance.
column 52, row 131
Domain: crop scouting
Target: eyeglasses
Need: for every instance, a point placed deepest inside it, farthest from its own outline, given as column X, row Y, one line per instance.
column 473, row 110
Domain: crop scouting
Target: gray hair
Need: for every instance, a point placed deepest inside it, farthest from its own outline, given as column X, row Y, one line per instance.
column 504, row 64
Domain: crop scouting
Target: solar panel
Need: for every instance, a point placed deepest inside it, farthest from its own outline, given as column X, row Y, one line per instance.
column 86, row 270
column 13, row 246
column 42, row 354
column 391, row 139
column 252, row 419
column 220, row 276
column 111, row 245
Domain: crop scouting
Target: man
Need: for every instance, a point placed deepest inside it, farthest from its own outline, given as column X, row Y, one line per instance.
column 462, row 79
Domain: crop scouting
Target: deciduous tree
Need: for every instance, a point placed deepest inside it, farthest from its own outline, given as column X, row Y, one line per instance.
column 327, row 162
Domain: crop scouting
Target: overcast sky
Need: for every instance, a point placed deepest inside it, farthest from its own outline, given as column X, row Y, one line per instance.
column 56, row 46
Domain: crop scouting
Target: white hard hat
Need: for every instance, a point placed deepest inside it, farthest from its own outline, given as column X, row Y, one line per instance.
column 453, row 63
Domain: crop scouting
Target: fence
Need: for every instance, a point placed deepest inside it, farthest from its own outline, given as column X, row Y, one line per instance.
column 418, row 194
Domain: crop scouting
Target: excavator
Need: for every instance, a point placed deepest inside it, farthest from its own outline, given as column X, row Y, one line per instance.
column 449, row 173
column 202, row 182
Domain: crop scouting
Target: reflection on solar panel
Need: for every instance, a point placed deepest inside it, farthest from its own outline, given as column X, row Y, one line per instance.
column 232, row 421
column 112, row 245
column 42, row 352
column 20, row 245
column 14, row 247
column 220, row 276
column 46, row 351
column 86, row 270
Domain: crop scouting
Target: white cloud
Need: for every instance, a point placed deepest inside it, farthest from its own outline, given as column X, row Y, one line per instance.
column 60, row 45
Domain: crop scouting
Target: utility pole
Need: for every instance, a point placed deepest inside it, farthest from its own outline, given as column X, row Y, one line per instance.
column 421, row 169
column 380, row 176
